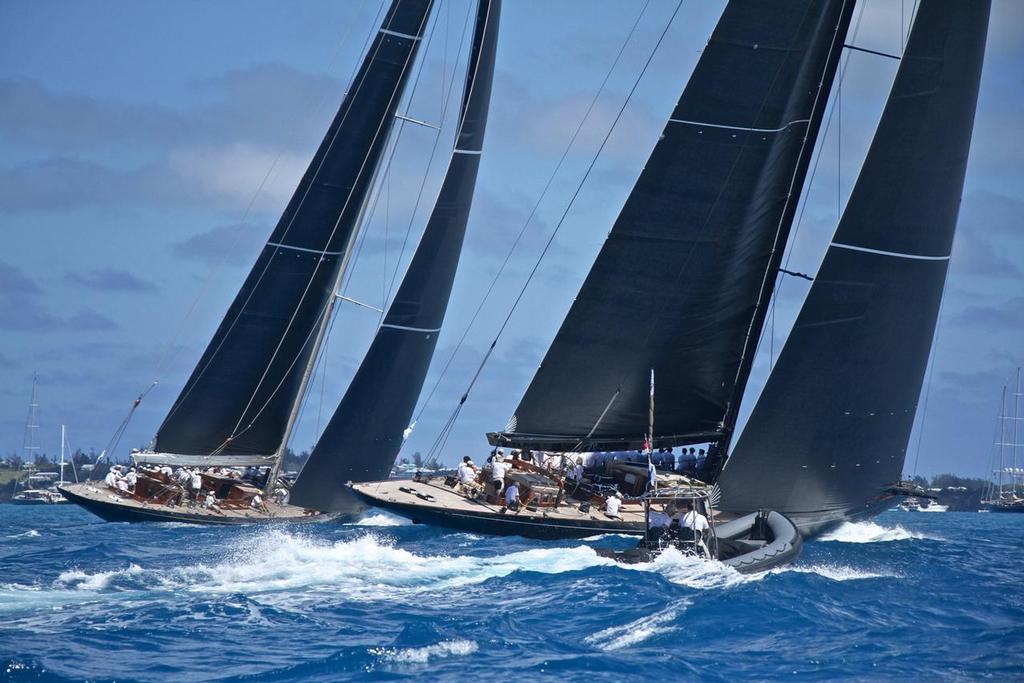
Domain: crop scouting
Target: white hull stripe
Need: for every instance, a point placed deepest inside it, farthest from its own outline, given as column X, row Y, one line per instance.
column 411, row 329
column 916, row 257
column 308, row 251
column 399, row 35
column 468, row 151
column 741, row 128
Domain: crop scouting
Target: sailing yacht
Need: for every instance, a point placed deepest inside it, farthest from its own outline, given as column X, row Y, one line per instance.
column 684, row 279
column 1005, row 490
column 41, row 488
column 240, row 405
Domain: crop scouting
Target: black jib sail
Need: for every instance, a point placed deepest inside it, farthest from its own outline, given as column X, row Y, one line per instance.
column 829, row 433
column 366, row 432
column 241, row 396
column 680, row 284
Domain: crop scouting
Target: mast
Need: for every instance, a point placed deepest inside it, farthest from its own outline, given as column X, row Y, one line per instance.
column 61, row 483
column 1015, row 477
column 366, row 431
column 682, row 273
column 829, row 433
column 240, row 405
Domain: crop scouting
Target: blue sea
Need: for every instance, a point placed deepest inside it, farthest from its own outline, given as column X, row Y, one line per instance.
column 907, row 596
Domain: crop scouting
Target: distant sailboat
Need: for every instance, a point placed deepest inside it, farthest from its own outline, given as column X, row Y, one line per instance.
column 40, row 487
column 240, row 405
column 1005, row 491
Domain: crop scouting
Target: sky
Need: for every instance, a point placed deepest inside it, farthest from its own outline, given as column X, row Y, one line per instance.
column 147, row 149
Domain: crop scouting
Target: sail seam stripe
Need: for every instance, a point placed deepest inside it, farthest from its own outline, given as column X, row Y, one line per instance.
column 742, row 128
column 469, row 151
column 411, row 329
column 399, row 35
column 305, row 249
column 897, row 254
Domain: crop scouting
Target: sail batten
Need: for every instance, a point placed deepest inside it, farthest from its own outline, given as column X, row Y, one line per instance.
column 365, row 433
column 240, row 398
column 679, row 282
column 829, row 433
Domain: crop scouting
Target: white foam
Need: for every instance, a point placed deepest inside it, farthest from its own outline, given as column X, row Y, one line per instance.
column 291, row 567
column 871, row 532
column 835, row 572
column 380, row 518
column 601, row 537
column 639, row 630
column 693, row 572
column 31, row 533
column 422, row 655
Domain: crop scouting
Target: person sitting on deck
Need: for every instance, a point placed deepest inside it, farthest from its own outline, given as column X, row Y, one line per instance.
column 281, row 495
column 131, row 478
column 257, row 504
column 611, row 505
column 111, row 479
column 211, row 502
column 512, row 501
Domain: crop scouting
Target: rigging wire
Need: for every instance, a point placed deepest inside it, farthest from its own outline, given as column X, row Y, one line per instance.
column 533, row 212
column 201, row 371
column 319, row 321
column 324, row 310
column 515, row 304
column 805, row 200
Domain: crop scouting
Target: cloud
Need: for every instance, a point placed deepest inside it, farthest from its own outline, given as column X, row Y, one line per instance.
column 22, row 311
column 1004, row 316
column 235, row 244
column 14, row 281
column 110, row 280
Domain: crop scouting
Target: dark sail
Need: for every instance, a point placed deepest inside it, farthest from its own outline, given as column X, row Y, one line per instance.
column 241, row 394
column 830, row 430
column 676, row 285
column 365, row 434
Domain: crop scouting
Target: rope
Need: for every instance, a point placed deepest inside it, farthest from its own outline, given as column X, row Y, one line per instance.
column 561, row 220
column 529, row 218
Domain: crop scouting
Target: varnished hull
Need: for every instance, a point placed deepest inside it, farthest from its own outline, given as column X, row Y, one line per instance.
column 129, row 511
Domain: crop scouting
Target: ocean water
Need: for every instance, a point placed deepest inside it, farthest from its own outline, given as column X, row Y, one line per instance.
column 909, row 595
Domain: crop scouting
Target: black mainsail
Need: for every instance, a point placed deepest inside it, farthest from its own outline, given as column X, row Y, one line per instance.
column 829, row 433
column 681, row 283
column 366, row 431
column 240, row 401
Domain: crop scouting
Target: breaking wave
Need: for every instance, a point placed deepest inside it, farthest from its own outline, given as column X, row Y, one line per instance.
column 422, row 655
column 380, row 518
column 367, row 568
column 871, row 532
column 31, row 533
column 639, row 630
column 834, row 572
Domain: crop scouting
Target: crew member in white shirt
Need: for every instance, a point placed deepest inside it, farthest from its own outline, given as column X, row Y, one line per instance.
column 467, row 473
column 697, row 524
column 512, row 496
column 611, row 506
column 498, row 469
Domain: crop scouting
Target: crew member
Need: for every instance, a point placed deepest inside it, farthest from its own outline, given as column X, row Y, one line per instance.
column 512, row 496
column 498, row 469
column 697, row 524
column 611, row 505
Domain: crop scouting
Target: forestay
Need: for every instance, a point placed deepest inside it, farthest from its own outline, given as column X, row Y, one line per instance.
column 242, row 394
column 681, row 282
column 366, row 431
